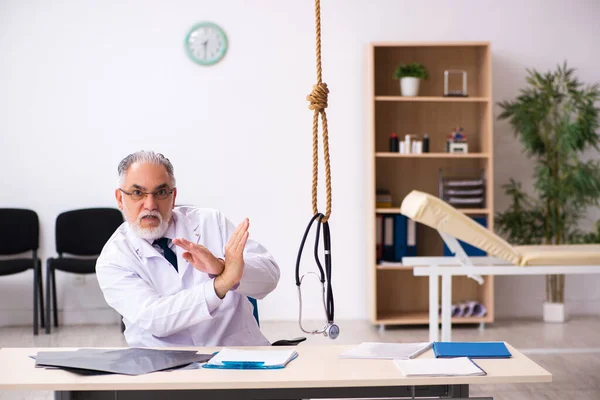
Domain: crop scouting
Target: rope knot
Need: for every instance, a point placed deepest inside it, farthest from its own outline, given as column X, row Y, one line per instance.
column 318, row 97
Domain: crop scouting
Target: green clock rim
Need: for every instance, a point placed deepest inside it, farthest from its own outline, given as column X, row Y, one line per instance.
column 219, row 56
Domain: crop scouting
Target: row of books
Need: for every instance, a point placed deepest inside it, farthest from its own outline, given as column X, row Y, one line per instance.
column 396, row 237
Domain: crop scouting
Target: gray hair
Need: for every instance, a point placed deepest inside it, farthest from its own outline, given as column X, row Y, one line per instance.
column 145, row 157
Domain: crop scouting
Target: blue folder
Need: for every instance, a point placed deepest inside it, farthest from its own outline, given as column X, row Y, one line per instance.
column 469, row 249
column 471, row 349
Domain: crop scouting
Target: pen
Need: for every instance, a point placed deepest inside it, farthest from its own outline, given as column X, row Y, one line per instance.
column 420, row 351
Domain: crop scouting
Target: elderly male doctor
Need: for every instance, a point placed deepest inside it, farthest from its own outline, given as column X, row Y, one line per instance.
column 180, row 276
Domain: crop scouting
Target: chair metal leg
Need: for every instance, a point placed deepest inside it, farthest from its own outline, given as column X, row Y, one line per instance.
column 48, row 295
column 41, row 294
column 35, row 299
column 54, row 307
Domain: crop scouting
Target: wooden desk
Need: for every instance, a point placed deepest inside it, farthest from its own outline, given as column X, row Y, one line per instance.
column 318, row 372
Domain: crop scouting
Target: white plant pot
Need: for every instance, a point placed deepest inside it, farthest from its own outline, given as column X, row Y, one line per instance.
column 554, row 312
column 409, row 86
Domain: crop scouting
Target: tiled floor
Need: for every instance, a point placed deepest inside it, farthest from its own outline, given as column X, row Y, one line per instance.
column 571, row 351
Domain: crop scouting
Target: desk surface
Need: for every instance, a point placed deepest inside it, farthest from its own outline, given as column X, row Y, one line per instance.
column 316, row 366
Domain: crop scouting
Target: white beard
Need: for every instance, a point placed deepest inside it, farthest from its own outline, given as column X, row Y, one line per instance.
column 150, row 233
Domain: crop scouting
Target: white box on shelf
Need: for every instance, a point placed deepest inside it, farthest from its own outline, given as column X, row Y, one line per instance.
column 458, row 147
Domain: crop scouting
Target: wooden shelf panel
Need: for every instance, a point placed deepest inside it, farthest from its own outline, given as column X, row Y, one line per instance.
column 384, row 154
column 468, row 211
column 434, row 99
column 432, row 44
column 422, row 318
column 398, row 267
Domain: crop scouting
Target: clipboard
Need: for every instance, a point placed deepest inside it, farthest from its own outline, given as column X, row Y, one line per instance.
column 250, row 359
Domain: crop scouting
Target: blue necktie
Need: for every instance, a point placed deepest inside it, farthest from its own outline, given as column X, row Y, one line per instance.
column 163, row 243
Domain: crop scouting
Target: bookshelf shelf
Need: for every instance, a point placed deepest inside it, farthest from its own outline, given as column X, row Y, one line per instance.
column 434, row 99
column 421, row 318
column 470, row 211
column 382, row 154
column 396, row 296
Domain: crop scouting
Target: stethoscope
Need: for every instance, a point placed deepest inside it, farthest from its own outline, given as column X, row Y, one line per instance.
column 330, row 330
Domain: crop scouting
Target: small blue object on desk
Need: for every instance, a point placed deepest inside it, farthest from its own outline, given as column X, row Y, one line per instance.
column 251, row 359
column 471, row 349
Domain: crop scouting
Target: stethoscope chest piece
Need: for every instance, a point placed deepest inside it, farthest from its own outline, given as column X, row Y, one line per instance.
column 333, row 331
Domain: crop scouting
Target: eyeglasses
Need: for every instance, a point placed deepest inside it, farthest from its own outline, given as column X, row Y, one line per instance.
column 137, row 195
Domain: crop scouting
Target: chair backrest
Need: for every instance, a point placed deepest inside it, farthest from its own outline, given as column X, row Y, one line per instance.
column 19, row 230
column 255, row 312
column 84, row 232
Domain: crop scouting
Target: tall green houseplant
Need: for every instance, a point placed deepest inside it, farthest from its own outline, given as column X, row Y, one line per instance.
column 555, row 119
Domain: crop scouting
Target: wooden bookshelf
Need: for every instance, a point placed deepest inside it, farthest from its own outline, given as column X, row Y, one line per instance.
column 396, row 296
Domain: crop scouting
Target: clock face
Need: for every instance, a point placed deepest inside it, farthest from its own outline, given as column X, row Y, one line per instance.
column 206, row 43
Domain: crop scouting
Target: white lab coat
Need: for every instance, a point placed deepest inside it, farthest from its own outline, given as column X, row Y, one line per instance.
column 164, row 307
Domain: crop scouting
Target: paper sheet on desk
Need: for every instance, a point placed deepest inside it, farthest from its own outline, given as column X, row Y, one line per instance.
column 462, row 366
column 387, row 351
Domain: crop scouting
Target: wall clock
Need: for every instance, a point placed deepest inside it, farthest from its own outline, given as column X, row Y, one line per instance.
column 206, row 43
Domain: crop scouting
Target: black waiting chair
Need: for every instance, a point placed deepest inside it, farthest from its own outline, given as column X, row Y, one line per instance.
column 20, row 233
column 78, row 233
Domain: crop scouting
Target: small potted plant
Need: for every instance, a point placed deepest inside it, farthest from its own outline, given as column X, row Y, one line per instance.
column 410, row 76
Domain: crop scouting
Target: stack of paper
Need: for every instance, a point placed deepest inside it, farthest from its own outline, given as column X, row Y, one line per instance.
column 462, row 366
column 387, row 351
column 251, row 359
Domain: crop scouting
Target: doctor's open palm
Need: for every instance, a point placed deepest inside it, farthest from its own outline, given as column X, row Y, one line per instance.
column 234, row 253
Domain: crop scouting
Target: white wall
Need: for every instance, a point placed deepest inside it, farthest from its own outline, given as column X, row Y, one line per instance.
column 82, row 84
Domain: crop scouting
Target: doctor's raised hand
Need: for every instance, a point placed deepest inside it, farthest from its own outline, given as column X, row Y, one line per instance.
column 234, row 260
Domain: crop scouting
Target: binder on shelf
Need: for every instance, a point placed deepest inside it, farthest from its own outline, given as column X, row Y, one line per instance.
column 399, row 237
column 379, row 236
column 470, row 349
column 411, row 238
column 388, row 238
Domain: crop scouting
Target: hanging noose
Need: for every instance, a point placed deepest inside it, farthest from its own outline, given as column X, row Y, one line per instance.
column 318, row 103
